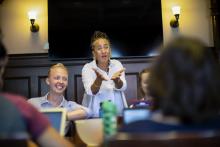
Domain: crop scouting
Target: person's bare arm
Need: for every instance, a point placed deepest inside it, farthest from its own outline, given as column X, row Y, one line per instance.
column 116, row 78
column 97, row 83
column 76, row 114
column 50, row 138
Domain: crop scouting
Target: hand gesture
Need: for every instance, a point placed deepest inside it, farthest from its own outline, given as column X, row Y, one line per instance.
column 98, row 81
column 100, row 77
column 117, row 75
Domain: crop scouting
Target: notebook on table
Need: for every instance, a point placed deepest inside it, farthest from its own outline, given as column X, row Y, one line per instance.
column 57, row 118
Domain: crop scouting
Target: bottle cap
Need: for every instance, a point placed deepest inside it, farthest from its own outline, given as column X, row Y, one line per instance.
column 108, row 106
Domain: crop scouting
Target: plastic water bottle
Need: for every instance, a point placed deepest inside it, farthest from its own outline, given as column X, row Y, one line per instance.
column 109, row 118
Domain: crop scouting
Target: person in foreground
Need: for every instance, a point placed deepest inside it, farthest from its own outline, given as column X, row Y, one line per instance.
column 20, row 120
column 103, row 78
column 57, row 81
column 184, row 84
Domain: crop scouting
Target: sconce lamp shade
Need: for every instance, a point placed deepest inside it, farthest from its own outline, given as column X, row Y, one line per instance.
column 174, row 23
column 32, row 16
column 176, row 10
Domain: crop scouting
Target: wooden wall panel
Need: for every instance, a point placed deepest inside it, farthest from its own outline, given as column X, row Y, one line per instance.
column 42, row 86
column 25, row 75
column 79, row 88
column 18, row 85
column 132, row 85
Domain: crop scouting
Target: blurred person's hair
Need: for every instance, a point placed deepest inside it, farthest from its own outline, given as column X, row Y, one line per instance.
column 184, row 81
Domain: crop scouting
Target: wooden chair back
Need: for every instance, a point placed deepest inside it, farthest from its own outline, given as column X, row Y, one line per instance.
column 13, row 143
column 170, row 139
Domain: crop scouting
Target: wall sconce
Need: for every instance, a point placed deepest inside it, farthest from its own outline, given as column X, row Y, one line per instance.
column 174, row 23
column 32, row 17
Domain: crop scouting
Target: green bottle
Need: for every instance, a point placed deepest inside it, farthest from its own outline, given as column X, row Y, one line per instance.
column 109, row 118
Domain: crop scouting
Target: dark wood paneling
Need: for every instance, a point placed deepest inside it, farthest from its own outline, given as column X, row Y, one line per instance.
column 18, row 85
column 79, row 88
column 132, row 85
column 25, row 75
column 43, row 88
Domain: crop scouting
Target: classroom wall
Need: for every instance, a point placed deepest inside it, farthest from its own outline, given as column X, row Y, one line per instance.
column 15, row 26
column 195, row 21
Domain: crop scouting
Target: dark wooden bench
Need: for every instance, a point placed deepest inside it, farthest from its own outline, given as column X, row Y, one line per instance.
column 170, row 139
column 14, row 143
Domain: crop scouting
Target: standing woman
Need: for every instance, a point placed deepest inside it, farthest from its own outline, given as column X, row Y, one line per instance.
column 103, row 78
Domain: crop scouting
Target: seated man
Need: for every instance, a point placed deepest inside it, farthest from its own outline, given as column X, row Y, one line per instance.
column 20, row 120
column 57, row 81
